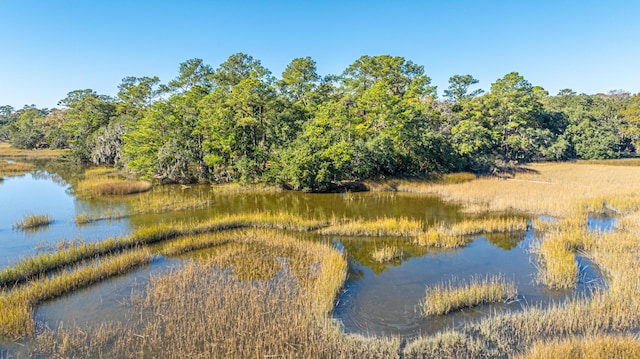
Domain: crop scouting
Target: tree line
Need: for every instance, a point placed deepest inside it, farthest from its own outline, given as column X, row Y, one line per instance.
column 380, row 118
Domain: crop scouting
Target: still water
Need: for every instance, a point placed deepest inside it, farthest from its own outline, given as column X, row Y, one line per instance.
column 378, row 299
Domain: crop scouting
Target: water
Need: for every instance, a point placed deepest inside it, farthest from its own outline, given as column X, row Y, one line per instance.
column 108, row 300
column 42, row 193
column 383, row 302
column 378, row 299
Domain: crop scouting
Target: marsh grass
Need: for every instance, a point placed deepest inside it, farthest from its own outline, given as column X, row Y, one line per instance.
column 34, row 221
column 458, row 234
column 386, row 226
column 166, row 201
column 603, row 312
column 501, row 335
column 16, row 305
column 14, row 168
column 6, row 151
column 443, row 298
column 108, row 215
column 203, row 309
column 554, row 189
column 557, row 263
column 511, row 333
column 559, row 190
column 630, row 222
column 439, row 236
column 458, row 177
column 230, row 188
column 75, row 252
column 489, row 225
column 190, row 243
column 556, row 250
column 587, row 347
column 67, row 254
column 624, row 162
column 111, row 186
column 106, row 181
column 265, row 220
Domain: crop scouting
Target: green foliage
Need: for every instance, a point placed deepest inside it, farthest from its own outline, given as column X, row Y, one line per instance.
column 86, row 113
column 380, row 118
column 166, row 143
column 458, row 90
column 593, row 128
column 25, row 132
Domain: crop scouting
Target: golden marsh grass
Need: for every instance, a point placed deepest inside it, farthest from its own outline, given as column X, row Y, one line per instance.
column 111, row 186
column 165, row 201
column 456, row 235
column 201, row 310
column 438, row 236
column 14, row 168
column 588, row 347
column 75, row 252
column 34, row 221
column 16, row 305
column 229, row 188
column 175, row 306
column 108, row 215
column 386, row 226
column 558, row 266
column 458, row 177
column 6, row 151
column 443, row 298
column 630, row 162
column 106, row 181
column 555, row 189
column 501, row 335
column 36, row 265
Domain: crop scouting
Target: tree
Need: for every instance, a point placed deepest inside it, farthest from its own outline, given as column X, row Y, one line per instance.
column 136, row 94
column 299, row 80
column 86, row 113
column 238, row 121
column 630, row 124
column 193, row 72
column 166, row 143
column 403, row 78
column 514, row 110
column 458, row 90
column 7, row 117
column 26, row 131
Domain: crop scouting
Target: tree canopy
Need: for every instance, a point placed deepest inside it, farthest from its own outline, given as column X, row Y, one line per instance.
column 380, row 117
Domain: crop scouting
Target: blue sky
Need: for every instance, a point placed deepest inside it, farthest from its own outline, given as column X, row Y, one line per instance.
column 48, row 48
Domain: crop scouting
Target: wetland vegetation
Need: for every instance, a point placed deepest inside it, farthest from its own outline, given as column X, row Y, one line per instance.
column 197, row 170
column 299, row 263
column 34, row 221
